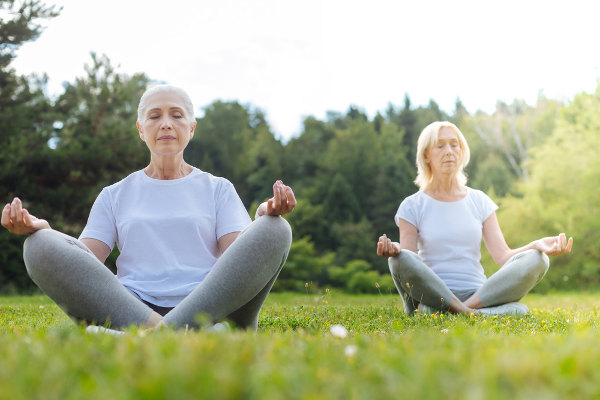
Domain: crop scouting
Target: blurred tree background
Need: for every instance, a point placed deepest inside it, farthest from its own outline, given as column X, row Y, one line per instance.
column 349, row 172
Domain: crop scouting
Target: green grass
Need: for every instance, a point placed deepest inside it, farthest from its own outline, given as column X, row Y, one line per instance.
column 552, row 353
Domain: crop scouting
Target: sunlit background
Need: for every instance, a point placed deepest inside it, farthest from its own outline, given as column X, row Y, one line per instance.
column 294, row 59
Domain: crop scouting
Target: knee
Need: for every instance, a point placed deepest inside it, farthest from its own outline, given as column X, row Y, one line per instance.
column 275, row 229
column 539, row 260
column 36, row 249
column 537, row 263
column 403, row 262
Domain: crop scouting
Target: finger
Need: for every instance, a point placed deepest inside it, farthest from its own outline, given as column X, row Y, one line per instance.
column 388, row 244
column 26, row 217
column 16, row 209
column 291, row 198
column 269, row 206
column 379, row 249
column 282, row 193
column 276, row 196
column 6, row 216
column 569, row 245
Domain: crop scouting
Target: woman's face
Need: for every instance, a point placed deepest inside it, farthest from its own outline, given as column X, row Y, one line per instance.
column 165, row 126
column 444, row 157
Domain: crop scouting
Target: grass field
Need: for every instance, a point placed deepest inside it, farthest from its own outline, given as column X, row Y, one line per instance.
column 552, row 353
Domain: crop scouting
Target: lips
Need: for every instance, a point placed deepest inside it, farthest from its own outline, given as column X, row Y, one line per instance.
column 166, row 138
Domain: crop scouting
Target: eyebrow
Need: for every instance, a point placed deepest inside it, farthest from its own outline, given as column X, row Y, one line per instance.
column 170, row 109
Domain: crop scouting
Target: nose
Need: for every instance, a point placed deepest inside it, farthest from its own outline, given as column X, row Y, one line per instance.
column 165, row 123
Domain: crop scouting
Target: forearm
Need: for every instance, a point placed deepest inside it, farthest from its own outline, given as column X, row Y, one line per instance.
column 509, row 253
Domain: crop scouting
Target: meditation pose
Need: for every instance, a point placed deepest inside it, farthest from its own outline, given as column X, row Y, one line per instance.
column 437, row 264
column 187, row 244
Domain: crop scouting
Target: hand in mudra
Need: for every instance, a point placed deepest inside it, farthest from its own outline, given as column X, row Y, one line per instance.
column 555, row 245
column 17, row 219
column 282, row 202
column 387, row 248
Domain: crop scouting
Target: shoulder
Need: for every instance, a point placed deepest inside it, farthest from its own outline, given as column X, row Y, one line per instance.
column 415, row 198
column 478, row 195
column 411, row 208
column 219, row 188
column 206, row 178
column 481, row 202
column 413, row 202
column 131, row 179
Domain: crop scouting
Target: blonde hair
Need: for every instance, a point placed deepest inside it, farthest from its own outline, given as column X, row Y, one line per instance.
column 429, row 138
column 189, row 107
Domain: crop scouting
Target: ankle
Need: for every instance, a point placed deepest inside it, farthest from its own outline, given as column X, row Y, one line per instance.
column 155, row 320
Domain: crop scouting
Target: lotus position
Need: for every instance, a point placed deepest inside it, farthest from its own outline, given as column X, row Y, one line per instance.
column 187, row 244
column 437, row 264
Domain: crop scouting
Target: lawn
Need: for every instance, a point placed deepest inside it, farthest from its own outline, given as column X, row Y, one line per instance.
column 552, row 353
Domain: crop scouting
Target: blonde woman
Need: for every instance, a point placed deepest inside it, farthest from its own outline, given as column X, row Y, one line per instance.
column 436, row 265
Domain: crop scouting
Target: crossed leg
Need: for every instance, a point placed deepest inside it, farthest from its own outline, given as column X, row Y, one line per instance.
column 512, row 281
column 417, row 283
column 87, row 291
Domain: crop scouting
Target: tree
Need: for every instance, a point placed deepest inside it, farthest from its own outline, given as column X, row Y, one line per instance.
column 513, row 129
column 25, row 127
column 22, row 26
column 98, row 143
column 562, row 196
column 234, row 141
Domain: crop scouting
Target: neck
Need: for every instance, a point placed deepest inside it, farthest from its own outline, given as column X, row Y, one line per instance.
column 167, row 168
column 445, row 187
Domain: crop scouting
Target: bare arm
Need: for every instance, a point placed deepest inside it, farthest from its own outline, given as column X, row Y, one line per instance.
column 98, row 247
column 501, row 253
column 225, row 241
column 408, row 241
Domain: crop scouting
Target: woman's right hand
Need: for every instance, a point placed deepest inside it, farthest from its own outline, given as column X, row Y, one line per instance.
column 387, row 248
column 17, row 219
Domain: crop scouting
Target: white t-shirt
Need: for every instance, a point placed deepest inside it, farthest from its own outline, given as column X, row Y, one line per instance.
column 166, row 230
column 450, row 235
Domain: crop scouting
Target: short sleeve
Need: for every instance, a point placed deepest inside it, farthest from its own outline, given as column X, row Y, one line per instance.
column 486, row 205
column 407, row 211
column 101, row 223
column 232, row 216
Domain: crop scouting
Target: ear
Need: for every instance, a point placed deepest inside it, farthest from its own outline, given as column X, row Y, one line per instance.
column 139, row 128
column 193, row 129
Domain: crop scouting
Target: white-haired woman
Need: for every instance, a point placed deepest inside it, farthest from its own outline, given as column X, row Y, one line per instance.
column 437, row 264
column 187, row 245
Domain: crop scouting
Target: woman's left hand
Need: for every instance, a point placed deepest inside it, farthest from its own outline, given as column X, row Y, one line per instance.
column 554, row 245
column 282, row 202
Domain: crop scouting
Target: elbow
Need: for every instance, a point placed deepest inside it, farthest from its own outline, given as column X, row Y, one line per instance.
column 500, row 259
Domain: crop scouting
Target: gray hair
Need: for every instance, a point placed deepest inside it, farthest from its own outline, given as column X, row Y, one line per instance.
column 189, row 107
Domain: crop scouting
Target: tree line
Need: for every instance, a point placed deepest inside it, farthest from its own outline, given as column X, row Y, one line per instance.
column 349, row 171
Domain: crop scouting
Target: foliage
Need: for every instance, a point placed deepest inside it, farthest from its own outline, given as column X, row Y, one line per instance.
column 562, row 195
column 303, row 266
column 349, row 171
column 294, row 355
column 501, row 143
column 19, row 23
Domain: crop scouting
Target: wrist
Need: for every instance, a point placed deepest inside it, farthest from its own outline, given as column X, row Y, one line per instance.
column 261, row 210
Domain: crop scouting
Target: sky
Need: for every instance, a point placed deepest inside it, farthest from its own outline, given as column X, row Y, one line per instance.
column 294, row 59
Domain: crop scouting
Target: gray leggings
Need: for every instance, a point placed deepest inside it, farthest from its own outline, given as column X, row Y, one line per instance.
column 235, row 288
column 417, row 283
